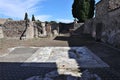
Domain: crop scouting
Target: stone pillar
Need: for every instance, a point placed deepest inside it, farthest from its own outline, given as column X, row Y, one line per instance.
column 43, row 29
column 35, row 31
column 55, row 33
column 48, row 29
column 30, row 31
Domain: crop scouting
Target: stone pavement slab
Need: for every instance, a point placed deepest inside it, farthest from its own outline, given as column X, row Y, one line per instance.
column 81, row 56
column 18, row 54
column 51, row 62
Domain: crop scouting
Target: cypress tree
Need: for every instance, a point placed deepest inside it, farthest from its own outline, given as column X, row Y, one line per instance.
column 83, row 9
column 26, row 16
column 92, row 8
column 74, row 8
column 33, row 18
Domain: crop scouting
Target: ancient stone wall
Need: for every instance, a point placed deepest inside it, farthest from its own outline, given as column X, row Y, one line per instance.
column 65, row 27
column 106, row 29
column 106, row 24
column 29, row 30
column 115, row 12
column 13, row 28
column 105, row 6
column 102, row 8
column 1, row 33
column 2, row 21
column 114, row 4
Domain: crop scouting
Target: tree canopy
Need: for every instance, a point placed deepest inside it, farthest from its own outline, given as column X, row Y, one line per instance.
column 83, row 9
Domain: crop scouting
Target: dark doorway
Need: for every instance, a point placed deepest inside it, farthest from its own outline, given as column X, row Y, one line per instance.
column 99, row 27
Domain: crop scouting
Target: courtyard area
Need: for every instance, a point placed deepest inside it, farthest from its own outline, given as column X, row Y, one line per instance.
column 58, row 58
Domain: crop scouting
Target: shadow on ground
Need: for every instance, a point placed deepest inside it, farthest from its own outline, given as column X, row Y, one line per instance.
column 74, row 41
column 15, row 70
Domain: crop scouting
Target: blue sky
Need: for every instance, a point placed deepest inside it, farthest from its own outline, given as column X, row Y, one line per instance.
column 44, row 10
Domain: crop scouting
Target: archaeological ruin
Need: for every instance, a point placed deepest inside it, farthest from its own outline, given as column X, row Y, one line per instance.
column 26, row 30
column 105, row 26
column 35, row 50
column 34, row 29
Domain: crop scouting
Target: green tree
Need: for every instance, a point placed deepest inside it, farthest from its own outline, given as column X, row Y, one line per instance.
column 83, row 9
column 26, row 16
column 38, row 22
column 74, row 8
column 92, row 8
column 53, row 22
column 33, row 18
column 10, row 19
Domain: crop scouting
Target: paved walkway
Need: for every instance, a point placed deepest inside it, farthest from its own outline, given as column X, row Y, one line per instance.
column 21, row 63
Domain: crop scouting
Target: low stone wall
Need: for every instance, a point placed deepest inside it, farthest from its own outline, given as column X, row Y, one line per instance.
column 106, row 29
column 13, row 28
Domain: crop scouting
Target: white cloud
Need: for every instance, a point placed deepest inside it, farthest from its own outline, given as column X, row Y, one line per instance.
column 43, row 17
column 17, row 8
column 64, row 20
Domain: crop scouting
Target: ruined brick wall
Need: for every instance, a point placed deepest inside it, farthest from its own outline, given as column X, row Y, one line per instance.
column 13, row 28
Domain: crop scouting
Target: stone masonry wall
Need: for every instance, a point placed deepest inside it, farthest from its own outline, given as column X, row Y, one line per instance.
column 13, row 28
column 114, row 4
column 106, row 28
column 104, row 6
column 18, row 29
column 106, row 24
column 101, row 8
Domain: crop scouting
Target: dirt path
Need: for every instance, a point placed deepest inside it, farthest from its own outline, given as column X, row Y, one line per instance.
column 41, row 42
